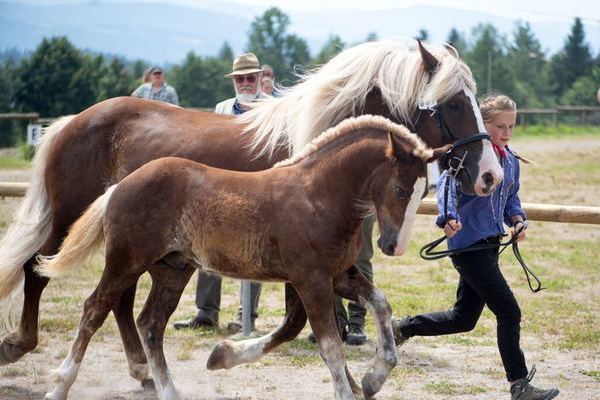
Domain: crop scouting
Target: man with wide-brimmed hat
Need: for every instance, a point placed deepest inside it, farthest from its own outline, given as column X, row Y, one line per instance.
column 246, row 76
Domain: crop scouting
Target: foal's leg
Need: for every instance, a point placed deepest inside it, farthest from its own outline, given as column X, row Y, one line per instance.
column 95, row 310
column 136, row 358
column 317, row 295
column 353, row 285
column 167, row 285
column 228, row 354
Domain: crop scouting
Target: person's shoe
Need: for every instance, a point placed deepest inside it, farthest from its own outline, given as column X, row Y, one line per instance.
column 523, row 390
column 398, row 336
column 199, row 321
column 356, row 335
column 236, row 327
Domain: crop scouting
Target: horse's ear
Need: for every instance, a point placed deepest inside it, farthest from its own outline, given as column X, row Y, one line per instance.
column 398, row 149
column 429, row 61
column 437, row 153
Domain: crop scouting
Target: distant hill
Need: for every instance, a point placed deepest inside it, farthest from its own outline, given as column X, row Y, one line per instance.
column 165, row 33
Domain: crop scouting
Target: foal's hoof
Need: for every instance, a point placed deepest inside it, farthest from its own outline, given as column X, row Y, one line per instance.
column 221, row 356
column 148, row 384
column 370, row 385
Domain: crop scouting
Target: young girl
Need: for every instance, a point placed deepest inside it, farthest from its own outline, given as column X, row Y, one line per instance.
column 471, row 220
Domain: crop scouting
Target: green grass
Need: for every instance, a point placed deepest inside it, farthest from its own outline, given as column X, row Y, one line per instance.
column 558, row 131
column 445, row 387
column 8, row 162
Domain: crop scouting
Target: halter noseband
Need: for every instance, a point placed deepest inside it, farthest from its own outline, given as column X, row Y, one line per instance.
column 449, row 138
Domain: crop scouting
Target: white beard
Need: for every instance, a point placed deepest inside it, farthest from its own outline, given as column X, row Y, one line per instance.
column 247, row 97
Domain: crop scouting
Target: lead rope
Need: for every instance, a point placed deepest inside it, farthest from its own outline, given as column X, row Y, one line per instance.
column 428, row 252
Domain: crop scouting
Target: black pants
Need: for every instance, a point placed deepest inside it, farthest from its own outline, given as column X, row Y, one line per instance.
column 481, row 283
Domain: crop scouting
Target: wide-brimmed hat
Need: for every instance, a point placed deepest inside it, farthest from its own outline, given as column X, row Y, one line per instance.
column 245, row 64
column 155, row 69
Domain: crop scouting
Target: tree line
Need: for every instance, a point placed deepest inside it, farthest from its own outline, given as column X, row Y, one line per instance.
column 58, row 79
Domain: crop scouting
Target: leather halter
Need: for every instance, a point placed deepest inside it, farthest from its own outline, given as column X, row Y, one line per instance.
column 446, row 161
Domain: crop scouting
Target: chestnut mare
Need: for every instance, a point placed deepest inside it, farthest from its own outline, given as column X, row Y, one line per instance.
column 80, row 156
column 299, row 222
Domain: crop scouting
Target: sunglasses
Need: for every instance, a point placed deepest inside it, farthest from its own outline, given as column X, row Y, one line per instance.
column 248, row 78
column 157, row 73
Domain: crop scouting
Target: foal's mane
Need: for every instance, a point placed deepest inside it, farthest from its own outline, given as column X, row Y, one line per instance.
column 384, row 125
column 339, row 89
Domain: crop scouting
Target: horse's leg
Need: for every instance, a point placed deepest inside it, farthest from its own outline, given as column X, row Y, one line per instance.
column 17, row 344
column 318, row 299
column 136, row 358
column 167, row 285
column 353, row 285
column 95, row 310
column 228, row 354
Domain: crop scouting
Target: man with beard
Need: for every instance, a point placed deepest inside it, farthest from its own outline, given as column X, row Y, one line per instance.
column 246, row 76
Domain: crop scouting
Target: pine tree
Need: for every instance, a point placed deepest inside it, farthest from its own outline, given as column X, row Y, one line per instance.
column 573, row 61
column 332, row 47
column 528, row 64
column 269, row 40
column 489, row 56
column 53, row 81
column 457, row 40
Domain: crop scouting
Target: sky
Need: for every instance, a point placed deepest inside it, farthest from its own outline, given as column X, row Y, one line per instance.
column 508, row 8
column 589, row 10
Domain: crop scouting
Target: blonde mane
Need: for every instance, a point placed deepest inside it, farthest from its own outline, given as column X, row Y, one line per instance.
column 339, row 89
column 352, row 124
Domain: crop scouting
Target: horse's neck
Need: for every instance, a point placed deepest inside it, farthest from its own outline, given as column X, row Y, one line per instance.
column 344, row 176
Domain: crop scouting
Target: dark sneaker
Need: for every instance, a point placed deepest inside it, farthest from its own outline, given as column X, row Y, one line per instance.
column 398, row 336
column 356, row 335
column 523, row 390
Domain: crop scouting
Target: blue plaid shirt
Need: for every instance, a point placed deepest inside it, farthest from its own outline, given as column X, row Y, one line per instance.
column 481, row 217
column 164, row 93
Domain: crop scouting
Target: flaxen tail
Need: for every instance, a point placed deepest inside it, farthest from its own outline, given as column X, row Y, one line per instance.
column 30, row 228
column 85, row 236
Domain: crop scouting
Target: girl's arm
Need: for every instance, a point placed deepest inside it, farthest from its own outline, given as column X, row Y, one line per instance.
column 447, row 219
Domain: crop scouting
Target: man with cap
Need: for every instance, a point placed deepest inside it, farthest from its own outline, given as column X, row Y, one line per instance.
column 246, row 77
column 157, row 88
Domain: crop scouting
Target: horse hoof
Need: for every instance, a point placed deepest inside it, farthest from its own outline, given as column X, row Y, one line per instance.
column 148, row 384
column 221, row 356
column 370, row 385
column 11, row 351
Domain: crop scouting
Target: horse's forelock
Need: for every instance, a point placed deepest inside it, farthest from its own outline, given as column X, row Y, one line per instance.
column 339, row 88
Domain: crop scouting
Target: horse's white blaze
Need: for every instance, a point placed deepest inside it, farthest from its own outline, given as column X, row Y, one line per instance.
column 489, row 161
column 409, row 216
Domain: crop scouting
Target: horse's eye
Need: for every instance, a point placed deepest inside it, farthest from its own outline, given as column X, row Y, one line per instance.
column 454, row 106
column 400, row 193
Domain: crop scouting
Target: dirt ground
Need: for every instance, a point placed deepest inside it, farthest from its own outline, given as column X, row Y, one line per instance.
column 429, row 368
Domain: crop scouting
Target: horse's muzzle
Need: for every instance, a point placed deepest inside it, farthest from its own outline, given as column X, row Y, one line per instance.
column 388, row 247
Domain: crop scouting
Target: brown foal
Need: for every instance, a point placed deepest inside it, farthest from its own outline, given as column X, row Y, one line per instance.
column 298, row 223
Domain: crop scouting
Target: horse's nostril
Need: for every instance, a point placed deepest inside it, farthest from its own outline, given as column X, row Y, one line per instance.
column 488, row 178
column 390, row 248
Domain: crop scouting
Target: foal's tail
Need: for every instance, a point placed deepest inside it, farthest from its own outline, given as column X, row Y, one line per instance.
column 28, row 231
column 85, row 236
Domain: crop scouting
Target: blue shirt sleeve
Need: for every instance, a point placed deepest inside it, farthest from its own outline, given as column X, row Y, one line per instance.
column 452, row 213
column 513, row 203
